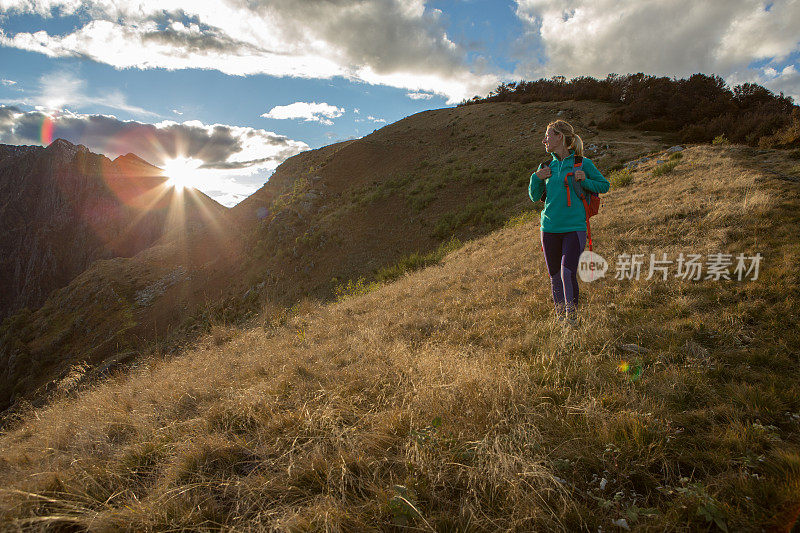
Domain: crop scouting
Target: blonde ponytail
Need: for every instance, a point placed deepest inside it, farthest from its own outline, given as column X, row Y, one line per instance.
column 577, row 144
column 571, row 139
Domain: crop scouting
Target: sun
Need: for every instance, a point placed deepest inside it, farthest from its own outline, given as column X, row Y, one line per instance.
column 181, row 172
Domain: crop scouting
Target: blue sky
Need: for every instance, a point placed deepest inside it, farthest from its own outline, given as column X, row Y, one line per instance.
column 234, row 87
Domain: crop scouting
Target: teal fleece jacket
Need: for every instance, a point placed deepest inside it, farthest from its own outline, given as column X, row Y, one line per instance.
column 557, row 217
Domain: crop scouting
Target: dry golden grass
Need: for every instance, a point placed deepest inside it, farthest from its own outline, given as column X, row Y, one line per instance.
column 449, row 400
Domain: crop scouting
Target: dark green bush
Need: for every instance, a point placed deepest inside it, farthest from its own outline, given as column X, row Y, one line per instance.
column 699, row 108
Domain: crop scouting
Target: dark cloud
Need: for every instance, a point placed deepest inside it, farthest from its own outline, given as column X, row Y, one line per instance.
column 192, row 42
column 386, row 35
column 7, row 115
column 242, row 164
column 218, row 146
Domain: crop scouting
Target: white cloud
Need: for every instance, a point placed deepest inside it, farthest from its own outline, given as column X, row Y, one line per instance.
column 8, row 83
column 386, row 42
column 235, row 159
column 678, row 38
column 786, row 81
column 375, row 119
column 309, row 111
column 420, row 96
column 177, row 112
column 60, row 90
column 755, row 33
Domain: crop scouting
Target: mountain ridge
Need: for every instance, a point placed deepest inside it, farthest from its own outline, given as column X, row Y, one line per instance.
column 70, row 208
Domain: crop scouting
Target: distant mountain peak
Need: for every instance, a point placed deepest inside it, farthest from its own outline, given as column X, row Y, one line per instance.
column 61, row 142
column 66, row 147
column 131, row 161
column 130, row 156
column 64, row 207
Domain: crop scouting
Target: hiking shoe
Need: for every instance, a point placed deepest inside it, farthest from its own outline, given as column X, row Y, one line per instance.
column 572, row 318
column 561, row 315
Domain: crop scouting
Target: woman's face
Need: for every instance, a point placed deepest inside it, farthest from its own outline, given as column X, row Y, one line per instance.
column 552, row 140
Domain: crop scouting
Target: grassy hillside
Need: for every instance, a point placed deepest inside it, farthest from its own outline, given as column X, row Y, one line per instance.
column 458, row 172
column 449, row 400
column 327, row 218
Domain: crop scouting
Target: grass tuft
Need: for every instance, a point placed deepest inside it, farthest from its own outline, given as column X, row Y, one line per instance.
column 354, row 288
column 720, row 140
column 620, row 178
column 665, row 168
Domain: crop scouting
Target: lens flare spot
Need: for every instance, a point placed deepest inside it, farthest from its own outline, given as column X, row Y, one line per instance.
column 623, row 366
column 181, row 172
column 47, row 131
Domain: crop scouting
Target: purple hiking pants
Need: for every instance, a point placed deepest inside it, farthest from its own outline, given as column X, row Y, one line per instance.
column 561, row 254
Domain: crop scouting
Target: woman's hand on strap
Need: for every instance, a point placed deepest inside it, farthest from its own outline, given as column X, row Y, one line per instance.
column 580, row 175
column 543, row 173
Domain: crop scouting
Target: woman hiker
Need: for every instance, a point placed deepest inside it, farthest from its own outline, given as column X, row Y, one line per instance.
column 563, row 218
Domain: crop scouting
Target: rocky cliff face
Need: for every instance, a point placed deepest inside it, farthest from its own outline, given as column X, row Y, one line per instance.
column 63, row 207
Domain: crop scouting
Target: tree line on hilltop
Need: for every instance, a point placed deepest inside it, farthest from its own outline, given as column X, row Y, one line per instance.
column 698, row 109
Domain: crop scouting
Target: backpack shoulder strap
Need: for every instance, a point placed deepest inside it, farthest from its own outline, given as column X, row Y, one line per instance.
column 545, row 163
column 582, row 194
column 576, row 187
